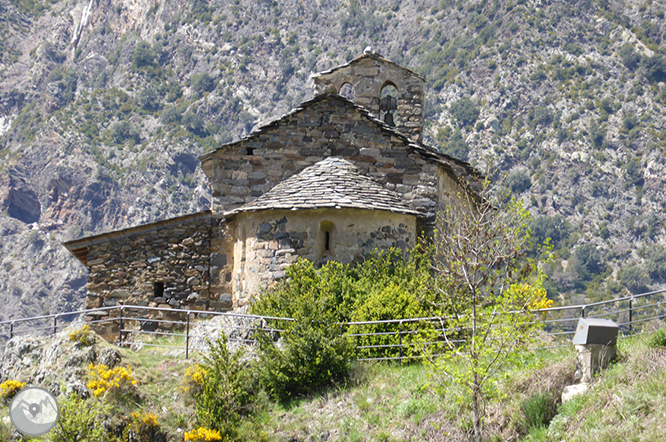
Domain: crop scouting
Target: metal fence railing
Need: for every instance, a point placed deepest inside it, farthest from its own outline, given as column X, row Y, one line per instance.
column 187, row 330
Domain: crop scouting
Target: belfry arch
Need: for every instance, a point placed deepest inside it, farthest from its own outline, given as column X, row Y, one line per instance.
column 372, row 77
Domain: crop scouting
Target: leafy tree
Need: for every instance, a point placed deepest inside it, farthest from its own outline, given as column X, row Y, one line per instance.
column 518, row 181
column 635, row 172
column 149, row 99
column 629, row 57
column 194, row 123
column 554, row 227
column 143, row 55
column 489, row 289
column 465, row 112
column 202, row 82
column 634, row 278
column 122, row 131
column 456, row 146
column 655, row 68
column 588, row 261
column 172, row 114
column 655, row 262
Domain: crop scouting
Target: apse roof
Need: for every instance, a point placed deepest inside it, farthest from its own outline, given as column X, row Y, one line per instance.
column 331, row 183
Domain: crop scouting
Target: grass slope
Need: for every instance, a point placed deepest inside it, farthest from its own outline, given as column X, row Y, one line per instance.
column 412, row 402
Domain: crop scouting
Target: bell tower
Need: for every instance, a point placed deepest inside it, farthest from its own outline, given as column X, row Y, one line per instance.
column 393, row 94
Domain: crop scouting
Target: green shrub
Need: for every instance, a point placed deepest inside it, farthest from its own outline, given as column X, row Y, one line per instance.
column 83, row 421
column 312, row 356
column 202, row 83
column 518, row 181
column 465, row 112
column 229, row 389
column 143, row 55
column 380, row 306
column 658, row 339
column 634, row 278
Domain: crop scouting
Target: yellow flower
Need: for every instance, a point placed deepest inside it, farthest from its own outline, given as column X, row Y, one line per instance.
column 9, row 388
column 202, row 434
column 103, row 379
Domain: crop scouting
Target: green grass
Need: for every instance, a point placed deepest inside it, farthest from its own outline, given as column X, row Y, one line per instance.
column 409, row 402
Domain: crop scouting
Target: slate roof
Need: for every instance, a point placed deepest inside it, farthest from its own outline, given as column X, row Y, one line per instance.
column 460, row 171
column 331, row 183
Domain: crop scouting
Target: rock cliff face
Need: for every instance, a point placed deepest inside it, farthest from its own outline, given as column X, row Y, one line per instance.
column 105, row 107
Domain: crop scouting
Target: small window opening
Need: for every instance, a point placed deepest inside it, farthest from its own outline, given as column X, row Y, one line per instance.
column 325, row 241
column 158, row 289
column 249, row 150
column 347, row 91
column 388, row 104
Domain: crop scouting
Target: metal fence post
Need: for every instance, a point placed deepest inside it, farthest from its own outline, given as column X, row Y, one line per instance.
column 400, row 338
column 631, row 314
column 187, row 336
column 11, row 329
column 120, row 332
column 55, row 324
column 582, row 311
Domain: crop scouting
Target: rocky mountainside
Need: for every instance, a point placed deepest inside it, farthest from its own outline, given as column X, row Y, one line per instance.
column 106, row 105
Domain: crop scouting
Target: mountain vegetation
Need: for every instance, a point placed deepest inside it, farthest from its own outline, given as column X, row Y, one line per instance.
column 106, row 105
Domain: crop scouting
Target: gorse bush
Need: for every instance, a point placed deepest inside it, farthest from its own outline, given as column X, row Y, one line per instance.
column 116, row 380
column 9, row 388
column 202, row 434
column 228, row 390
column 193, row 380
column 82, row 336
column 143, row 427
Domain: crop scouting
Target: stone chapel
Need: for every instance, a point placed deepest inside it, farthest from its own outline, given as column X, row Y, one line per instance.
column 340, row 175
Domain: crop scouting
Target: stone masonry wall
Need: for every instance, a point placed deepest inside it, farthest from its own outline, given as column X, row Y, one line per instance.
column 277, row 238
column 331, row 126
column 368, row 75
column 124, row 267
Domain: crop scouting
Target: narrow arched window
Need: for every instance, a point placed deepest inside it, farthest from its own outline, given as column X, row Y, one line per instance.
column 326, row 240
column 347, row 91
column 388, row 104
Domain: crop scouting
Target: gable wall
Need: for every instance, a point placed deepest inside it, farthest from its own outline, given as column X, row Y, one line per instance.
column 243, row 171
